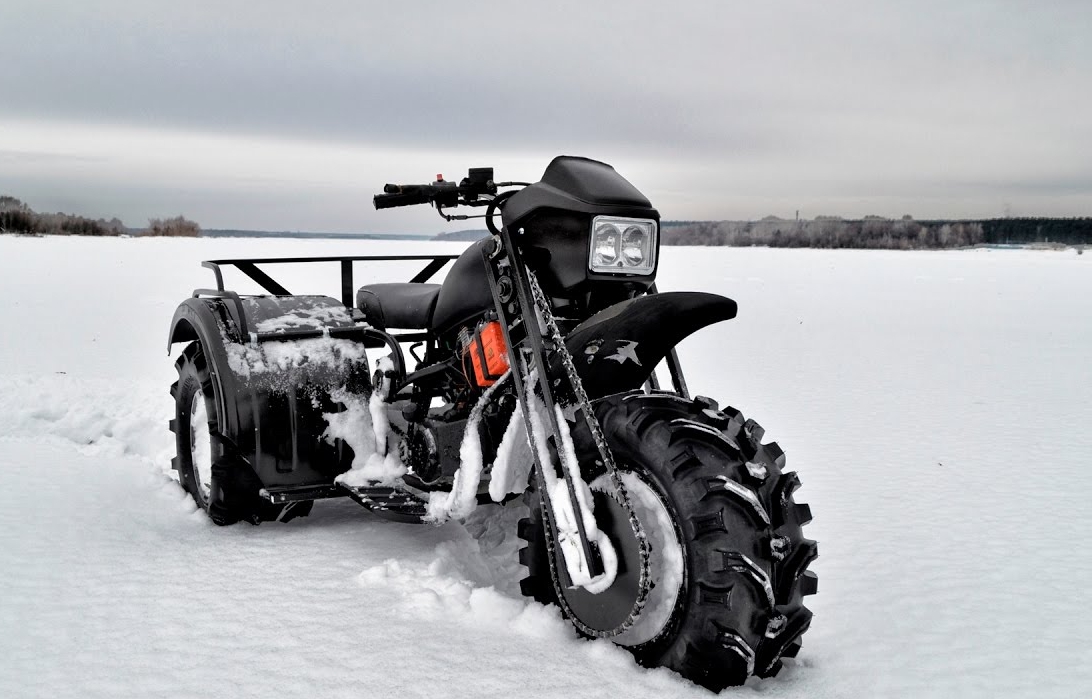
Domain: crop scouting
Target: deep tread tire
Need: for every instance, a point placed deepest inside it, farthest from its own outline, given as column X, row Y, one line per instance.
column 537, row 585
column 741, row 607
column 233, row 486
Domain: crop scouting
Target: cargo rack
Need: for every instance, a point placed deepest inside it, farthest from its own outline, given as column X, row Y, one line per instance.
column 373, row 338
column 249, row 267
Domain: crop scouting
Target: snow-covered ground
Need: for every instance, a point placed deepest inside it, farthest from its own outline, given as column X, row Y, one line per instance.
column 938, row 406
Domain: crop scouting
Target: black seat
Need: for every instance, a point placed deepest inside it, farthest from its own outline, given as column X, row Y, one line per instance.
column 402, row 305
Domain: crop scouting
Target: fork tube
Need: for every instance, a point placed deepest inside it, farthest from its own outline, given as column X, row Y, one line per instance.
column 674, row 367
column 528, row 312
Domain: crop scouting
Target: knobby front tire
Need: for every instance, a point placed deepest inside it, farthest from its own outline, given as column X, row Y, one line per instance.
column 740, row 607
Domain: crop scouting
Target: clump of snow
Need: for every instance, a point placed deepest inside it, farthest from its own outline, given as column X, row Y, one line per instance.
column 363, row 426
column 377, row 408
column 385, row 368
column 757, row 470
column 289, row 358
column 316, row 316
column 568, row 539
column 604, row 580
column 513, row 463
column 463, row 497
column 561, row 505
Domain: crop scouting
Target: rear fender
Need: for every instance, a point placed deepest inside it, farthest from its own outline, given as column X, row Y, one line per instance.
column 206, row 321
column 616, row 349
column 274, row 420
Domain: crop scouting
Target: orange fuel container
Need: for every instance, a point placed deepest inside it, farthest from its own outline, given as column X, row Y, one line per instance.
column 488, row 354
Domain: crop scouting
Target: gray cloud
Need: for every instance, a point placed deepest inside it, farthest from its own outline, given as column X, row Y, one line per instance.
column 845, row 100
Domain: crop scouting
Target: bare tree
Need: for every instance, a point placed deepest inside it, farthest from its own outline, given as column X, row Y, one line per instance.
column 178, row 226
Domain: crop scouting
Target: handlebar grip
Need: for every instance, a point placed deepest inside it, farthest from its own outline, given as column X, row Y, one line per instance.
column 401, row 196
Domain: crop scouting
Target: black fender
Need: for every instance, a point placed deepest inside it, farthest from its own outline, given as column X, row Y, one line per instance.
column 616, row 349
column 208, row 321
column 273, row 422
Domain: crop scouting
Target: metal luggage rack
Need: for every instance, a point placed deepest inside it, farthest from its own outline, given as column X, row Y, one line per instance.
column 249, row 267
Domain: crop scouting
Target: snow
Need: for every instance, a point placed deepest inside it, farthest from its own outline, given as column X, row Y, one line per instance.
column 566, row 523
column 937, row 405
column 665, row 554
column 313, row 355
column 463, row 497
column 512, row 465
column 757, row 470
column 561, row 505
column 316, row 315
column 363, row 426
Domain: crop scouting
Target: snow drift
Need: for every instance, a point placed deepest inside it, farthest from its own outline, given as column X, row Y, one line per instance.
column 936, row 405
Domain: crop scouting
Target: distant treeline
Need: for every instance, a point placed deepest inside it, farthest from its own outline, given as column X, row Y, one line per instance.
column 240, row 233
column 462, row 236
column 1069, row 231
column 822, row 232
column 17, row 217
column 872, row 232
column 879, row 233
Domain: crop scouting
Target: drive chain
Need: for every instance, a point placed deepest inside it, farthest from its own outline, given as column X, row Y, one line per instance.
column 557, row 341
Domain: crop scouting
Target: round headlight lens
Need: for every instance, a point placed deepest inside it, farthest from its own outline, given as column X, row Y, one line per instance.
column 634, row 244
column 605, row 245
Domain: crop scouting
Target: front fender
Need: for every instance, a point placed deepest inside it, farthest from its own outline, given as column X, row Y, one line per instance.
column 616, row 349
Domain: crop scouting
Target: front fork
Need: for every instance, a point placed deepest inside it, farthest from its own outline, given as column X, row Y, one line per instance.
column 517, row 312
column 674, row 368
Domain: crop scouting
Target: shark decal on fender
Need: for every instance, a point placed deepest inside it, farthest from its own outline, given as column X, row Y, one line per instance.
column 626, row 350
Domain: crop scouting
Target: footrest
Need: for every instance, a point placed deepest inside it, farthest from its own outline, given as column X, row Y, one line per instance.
column 279, row 495
column 392, row 503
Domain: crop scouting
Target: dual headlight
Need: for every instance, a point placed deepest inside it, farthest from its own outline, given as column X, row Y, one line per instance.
column 623, row 245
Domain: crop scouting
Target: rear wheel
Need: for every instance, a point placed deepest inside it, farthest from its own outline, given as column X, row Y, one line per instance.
column 728, row 557
column 221, row 484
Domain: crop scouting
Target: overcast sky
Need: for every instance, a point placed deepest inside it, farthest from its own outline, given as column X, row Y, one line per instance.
column 289, row 115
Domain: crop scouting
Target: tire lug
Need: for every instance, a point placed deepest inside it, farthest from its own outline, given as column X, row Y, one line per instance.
column 706, row 403
column 754, row 432
column 716, row 418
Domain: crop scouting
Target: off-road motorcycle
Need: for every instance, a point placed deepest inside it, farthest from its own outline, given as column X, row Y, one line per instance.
column 655, row 519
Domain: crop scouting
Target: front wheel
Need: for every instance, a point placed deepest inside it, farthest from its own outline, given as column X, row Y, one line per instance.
column 728, row 559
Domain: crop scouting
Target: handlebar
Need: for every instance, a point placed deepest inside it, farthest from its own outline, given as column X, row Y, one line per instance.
column 477, row 183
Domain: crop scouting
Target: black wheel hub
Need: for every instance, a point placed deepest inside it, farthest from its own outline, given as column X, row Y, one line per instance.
column 611, row 608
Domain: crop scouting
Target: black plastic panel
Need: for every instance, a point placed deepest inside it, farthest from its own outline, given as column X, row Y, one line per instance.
column 578, row 185
column 465, row 294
